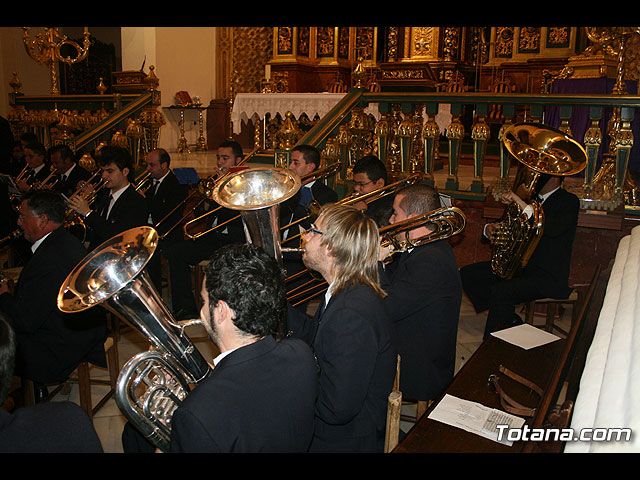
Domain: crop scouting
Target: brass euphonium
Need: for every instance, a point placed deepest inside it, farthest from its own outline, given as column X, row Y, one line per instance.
column 153, row 383
column 540, row 149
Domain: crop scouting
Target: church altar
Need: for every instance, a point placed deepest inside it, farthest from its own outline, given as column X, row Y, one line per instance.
column 248, row 105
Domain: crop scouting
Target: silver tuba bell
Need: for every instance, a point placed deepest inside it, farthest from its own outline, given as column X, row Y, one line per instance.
column 153, row 383
column 258, row 193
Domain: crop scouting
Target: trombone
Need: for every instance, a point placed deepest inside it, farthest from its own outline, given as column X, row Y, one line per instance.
column 310, row 177
column 367, row 198
column 142, row 182
column 446, row 222
column 204, row 189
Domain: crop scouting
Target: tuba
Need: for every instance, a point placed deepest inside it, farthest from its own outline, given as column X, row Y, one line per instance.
column 153, row 383
column 258, row 193
column 540, row 149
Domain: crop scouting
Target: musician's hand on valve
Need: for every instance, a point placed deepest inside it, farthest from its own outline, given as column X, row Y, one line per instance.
column 79, row 204
column 511, row 197
column 490, row 229
column 360, row 205
column 384, row 253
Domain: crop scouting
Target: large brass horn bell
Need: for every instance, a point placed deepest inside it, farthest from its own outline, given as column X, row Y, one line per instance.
column 540, row 149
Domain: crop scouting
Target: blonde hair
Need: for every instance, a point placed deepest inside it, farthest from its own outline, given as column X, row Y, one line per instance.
column 353, row 240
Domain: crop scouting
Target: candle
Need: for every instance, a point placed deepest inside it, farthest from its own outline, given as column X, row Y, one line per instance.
column 267, row 72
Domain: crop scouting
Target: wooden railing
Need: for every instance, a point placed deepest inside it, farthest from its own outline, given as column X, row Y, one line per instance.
column 129, row 118
column 404, row 133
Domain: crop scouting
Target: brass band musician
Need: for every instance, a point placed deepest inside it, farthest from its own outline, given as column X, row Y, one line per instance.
column 424, row 294
column 547, row 271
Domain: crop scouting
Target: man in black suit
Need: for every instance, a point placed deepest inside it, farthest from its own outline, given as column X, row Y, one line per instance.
column 350, row 333
column 50, row 427
column 261, row 394
column 370, row 174
column 67, row 171
column 163, row 196
column 305, row 159
column 118, row 206
column 51, row 344
column 185, row 253
column 547, row 271
column 423, row 299
column 35, row 156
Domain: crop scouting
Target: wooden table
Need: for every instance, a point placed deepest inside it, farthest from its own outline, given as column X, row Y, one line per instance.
column 471, row 383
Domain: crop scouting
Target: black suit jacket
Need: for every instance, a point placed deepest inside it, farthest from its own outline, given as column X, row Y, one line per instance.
column 167, row 196
column 357, row 363
column 129, row 211
column 291, row 209
column 50, row 343
column 69, row 186
column 551, row 259
column 51, row 427
column 43, row 173
column 423, row 302
column 259, row 398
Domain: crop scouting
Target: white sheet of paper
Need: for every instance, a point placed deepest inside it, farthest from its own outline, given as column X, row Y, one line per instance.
column 474, row 418
column 525, row 336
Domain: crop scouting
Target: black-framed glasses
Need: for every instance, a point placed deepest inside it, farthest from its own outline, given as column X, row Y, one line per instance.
column 362, row 184
column 313, row 229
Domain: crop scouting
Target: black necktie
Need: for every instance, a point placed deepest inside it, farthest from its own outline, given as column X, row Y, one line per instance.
column 322, row 308
column 106, row 210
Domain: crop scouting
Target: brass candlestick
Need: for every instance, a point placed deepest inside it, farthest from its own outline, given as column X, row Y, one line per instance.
column 45, row 49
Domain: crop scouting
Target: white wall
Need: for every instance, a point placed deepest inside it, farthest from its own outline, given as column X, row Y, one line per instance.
column 183, row 59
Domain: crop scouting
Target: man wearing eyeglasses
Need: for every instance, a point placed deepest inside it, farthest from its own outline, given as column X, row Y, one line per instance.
column 350, row 333
column 50, row 344
column 369, row 175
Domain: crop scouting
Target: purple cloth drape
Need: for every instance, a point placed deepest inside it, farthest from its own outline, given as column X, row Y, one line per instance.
column 580, row 121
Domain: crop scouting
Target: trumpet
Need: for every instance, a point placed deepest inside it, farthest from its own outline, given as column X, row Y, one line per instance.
column 17, row 233
column 24, row 174
column 45, row 183
column 73, row 221
column 305, row 179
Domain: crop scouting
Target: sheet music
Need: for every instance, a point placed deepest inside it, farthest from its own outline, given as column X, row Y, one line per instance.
column 475, row 418
column 525, row 336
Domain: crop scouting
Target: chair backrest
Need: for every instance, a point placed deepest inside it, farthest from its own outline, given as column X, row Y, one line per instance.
column 394, row 410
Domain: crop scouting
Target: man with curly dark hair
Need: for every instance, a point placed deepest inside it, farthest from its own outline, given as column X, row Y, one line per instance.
column 261, row 394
